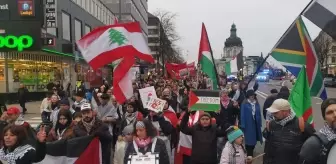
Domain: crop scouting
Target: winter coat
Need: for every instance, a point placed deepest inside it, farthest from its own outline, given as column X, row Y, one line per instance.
column 284, row 142
column 204, row 141
column 119, row 153
column 67, row 134
column 227, row 116
column 160, row 148
column 24, row 154
column 249, row 125
column 225, row 157
column 268, row 102
column 102, row 131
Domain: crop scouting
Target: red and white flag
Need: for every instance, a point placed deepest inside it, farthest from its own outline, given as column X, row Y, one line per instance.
column 106, row 44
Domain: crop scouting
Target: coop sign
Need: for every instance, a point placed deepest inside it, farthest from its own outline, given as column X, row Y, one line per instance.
column 16, row 42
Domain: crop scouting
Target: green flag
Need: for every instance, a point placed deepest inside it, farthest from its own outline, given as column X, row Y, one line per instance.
column 300, row 99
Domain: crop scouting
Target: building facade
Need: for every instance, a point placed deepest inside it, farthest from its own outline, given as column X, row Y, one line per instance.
column 50, row 55
column 131, row 10
column 232, row 47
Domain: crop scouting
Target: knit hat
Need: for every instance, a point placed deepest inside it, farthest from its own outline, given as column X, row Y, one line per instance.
column 250, row 93
column 205, row 114
column 274, row 91
column 325, row 105
column 128, row 130
column 80, row 93
column 233, row 132
column 65, row 102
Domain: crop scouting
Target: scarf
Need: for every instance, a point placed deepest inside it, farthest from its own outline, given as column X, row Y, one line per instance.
column 328, row 132
column 225, row 101
column 18, row 153
column 88, row 125
column 233, row 149
column 284, row 121
column 253, row 105
column 142, row 143
column 130, row 117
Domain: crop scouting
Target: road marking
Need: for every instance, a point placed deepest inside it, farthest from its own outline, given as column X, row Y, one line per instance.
column 262, row 94
column 34, row 121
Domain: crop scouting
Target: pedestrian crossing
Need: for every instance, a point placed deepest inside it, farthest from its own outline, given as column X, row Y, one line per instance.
column 34, row 121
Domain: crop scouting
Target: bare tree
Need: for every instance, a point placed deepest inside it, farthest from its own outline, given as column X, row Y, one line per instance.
column 169, row 50
column 323, row 45
column 167, row 19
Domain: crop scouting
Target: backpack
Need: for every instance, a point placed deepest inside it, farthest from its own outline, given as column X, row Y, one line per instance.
column 326, row 145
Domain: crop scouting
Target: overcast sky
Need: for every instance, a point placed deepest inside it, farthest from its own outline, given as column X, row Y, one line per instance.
column 260, row 23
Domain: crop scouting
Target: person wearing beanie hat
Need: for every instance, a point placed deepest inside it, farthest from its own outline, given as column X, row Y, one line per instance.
column 122, row 144
column 320, row 148
column 234, row 151
column 204, row 136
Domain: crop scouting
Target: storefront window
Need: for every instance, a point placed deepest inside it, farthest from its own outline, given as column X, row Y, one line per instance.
column 35, row 71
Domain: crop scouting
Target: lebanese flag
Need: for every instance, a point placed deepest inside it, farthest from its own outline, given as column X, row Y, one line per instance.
column 173, row 69
column 122, row 42
column 106, row 44
column 81, row 150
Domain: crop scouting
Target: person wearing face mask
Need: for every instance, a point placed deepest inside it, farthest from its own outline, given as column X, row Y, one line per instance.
column 204, row 138
column 285, row 134
column 91, row 125
column 250, row 121
column 63, row 128
column 320, row 148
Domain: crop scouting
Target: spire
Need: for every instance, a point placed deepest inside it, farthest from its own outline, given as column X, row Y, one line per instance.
column 233, row 31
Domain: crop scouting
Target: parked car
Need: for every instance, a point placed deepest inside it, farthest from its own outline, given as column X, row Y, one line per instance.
column 329, row 82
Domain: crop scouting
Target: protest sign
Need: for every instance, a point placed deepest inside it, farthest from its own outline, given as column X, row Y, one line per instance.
column 146, row 94
column 156, row 105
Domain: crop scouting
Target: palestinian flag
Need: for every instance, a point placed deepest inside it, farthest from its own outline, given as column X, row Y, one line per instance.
column 205, row 100
column 295, row 49
column 205, row 58
column 300, row 99
column 119, row 42
column 323, row 14
column 82, row 150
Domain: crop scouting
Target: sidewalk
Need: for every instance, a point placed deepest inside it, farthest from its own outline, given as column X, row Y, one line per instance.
column 33, row 107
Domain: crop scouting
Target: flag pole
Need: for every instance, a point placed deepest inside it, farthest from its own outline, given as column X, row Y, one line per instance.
column 213, row 60
column 263, row 62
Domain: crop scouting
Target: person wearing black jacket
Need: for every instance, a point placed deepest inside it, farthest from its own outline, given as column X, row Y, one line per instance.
column 269, row 101
column 204, row 139
column 316, row 150
column 285, row 134
column 17, row 151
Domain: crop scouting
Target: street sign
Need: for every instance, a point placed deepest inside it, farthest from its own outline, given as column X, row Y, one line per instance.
column 51, row 13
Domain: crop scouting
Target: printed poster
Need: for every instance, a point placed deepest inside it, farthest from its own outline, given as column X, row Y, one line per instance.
column 156, row 105
column 146, row 94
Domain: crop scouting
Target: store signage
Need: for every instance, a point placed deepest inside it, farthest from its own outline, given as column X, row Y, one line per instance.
column 51, row 14
column 4, row 7
column 26, row 7
column 49, row 42
column 16, row 42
